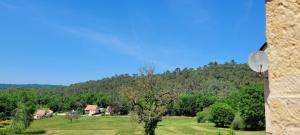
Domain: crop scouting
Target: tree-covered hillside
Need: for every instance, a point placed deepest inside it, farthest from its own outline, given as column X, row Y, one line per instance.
column 195, row 90
column 213, row 78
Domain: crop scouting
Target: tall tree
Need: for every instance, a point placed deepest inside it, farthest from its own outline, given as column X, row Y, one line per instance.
column 148, row 100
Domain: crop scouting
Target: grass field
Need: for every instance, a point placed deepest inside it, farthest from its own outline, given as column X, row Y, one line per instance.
column 123, row 126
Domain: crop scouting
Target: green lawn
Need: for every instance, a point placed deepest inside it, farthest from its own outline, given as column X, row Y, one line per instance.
column 123, row 126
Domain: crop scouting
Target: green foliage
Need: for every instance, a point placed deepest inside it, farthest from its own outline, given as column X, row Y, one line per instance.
column 196, row 89
column 52, row 99
column 190, row 104
column 148, row 100
column 22, row 116
column 238, row 122
column 251, row 106
column 203, row 116
column 204, row 101
column 186, row 105
column 249, row 103
column 221, row 114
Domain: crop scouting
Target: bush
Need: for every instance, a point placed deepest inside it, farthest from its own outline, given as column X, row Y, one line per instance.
column 203, row 116
column 251, row 106
column 18, row 127
column 186, row 105
column 238, row 122
column 204, row 101
column 22, row 117
column 190, row 104
column 221, row 114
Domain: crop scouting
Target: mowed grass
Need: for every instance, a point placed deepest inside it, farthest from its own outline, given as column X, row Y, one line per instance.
column 122, row 125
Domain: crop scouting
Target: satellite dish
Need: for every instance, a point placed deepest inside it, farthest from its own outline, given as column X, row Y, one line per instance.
column 258, row 61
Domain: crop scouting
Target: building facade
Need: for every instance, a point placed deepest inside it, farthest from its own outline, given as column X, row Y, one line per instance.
column 283, row 37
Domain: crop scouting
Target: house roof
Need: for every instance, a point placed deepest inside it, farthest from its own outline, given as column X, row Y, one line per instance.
column 41, row 112
column 91, row 108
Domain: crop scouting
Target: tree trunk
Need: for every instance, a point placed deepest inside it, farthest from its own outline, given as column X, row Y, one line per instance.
column 150, row 127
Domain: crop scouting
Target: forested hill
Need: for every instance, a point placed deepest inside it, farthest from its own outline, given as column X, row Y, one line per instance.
column 213, row 78
column 195, row 89
column 28, row 86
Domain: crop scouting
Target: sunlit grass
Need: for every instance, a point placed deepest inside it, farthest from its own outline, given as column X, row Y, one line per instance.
column 121, row 125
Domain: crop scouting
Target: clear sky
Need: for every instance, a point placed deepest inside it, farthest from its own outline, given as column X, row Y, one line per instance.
column 69, row 41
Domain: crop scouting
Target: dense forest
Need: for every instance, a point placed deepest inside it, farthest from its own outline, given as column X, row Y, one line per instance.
column 232, row 84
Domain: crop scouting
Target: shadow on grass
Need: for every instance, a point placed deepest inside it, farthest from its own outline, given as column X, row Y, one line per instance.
column 35, row 132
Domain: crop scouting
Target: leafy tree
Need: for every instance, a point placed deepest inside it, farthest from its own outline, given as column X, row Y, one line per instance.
column 149, row 101
column 22, row 117
column 221, row 114
column 186, row 105
column 190, row 104
column 251, row 106
column 204, row 101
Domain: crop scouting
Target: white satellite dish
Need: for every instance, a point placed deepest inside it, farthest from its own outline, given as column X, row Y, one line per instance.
column 258, row 61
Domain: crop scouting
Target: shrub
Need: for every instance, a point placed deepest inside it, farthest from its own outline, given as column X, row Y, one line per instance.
column 204, row 101
column 186, row 105
column 238, row 122
column 18, row 126
column 190, row 104
column 251, row 106
column 203, row 116
column 221, row 114
column 22, row 117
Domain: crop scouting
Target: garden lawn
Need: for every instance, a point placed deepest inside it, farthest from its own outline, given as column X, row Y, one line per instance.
column 122, row 125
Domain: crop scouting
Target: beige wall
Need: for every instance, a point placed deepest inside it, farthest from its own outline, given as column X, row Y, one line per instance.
column 283, row 37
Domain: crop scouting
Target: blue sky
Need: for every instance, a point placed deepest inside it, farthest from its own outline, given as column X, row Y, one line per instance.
column 69, row 41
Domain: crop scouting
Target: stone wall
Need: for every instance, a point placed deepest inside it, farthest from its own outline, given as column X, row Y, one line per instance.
column 283, row 37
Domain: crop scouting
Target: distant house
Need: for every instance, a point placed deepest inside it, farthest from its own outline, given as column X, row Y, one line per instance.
column 40, row 114
column 91, row 109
